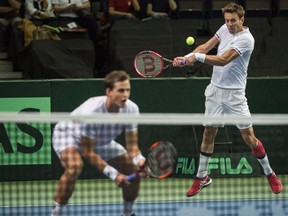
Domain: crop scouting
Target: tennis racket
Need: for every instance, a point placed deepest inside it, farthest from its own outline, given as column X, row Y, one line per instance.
column 160, row 161
column 150, row 64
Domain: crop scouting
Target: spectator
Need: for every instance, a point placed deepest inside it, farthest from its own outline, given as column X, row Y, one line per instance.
column 162, row 9
column 9, row 17
column 123, row 9
column 78, row 11
column 39, row 9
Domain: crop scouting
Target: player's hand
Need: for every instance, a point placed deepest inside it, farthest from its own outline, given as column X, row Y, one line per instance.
column 142, row 172
column 121, row 180
column 140, row 164
column 190, row 60
column 179, row 61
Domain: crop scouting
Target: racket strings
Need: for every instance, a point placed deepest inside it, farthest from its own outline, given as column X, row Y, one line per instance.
column 162, row 160
column 148, row 64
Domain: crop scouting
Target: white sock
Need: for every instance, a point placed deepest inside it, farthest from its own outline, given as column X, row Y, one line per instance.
column 127, row 208
column 57, row 209
column 264, row 162
column 203, row 166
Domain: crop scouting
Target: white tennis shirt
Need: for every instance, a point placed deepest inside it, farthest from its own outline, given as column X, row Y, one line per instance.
column 234, row 74
column 102, row 133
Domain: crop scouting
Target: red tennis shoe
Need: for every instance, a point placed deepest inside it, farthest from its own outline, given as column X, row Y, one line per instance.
column 275, row 183
column 198, row 185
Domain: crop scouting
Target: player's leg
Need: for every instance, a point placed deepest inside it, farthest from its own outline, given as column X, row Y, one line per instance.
column 236, row 104
column 72, row 163
column 259, row 151
column 213, row 107
column 207, row 147
column 125, row 165
column 116, row 156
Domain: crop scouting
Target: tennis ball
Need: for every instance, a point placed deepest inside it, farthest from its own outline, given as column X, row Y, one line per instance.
column 190, row 40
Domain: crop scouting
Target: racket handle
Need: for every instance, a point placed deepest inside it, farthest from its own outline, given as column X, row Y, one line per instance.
column 182, row 62
column 132, row 176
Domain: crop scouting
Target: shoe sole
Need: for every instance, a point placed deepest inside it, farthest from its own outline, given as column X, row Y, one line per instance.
column 204, row 186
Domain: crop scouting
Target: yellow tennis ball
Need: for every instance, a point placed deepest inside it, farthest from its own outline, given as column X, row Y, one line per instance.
column 190, row 40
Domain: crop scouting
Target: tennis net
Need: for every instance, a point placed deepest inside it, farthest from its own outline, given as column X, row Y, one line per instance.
column 30, row 169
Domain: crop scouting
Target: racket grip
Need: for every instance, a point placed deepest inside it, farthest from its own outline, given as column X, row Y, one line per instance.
column 182, row 62
column 132, row 176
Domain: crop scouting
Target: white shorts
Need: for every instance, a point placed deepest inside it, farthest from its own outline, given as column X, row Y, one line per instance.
column 221, row 102
column 63, row 139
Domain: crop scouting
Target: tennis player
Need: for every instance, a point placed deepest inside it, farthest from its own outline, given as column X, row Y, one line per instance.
column 225, row 95
column 96, row 143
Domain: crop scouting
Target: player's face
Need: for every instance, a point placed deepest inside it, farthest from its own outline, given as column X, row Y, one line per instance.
column 119, row 94
column 233, row 22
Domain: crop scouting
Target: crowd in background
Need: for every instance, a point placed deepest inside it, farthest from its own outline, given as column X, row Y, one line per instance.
column 76, row 14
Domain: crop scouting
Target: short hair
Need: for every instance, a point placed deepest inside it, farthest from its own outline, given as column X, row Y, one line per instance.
column 115, row 76
column 234, row 8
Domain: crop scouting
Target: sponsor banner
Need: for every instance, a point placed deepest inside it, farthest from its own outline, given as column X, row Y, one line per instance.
column 25, row 143
column 220, row 165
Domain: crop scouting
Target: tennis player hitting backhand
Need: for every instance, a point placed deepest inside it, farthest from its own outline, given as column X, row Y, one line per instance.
column 95, row 142
column 226, row 92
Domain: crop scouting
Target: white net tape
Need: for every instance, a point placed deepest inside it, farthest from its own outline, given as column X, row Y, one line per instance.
column 146, row 119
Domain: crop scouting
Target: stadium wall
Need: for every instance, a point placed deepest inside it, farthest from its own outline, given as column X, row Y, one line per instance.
column 174, row 95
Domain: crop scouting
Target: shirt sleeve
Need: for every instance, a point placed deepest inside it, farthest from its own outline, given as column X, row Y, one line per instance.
column 134, row 110
column 220, row 32
column 243, row 44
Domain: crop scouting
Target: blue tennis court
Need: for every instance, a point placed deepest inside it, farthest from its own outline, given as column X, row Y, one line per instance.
column 225, row 197
column 189, row 208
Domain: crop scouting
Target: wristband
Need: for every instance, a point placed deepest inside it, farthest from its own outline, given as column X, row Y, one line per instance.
column 110, row 172
column 200, row 57
column 189, row 55
column 137, row 158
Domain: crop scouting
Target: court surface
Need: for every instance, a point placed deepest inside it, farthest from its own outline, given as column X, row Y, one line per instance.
column 225, row 197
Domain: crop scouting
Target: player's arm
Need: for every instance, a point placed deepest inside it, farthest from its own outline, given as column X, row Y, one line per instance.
column 222, row 60
column 199, row 54
column 203, row 48
column 206, row 47
column 131, row 138
column 95, row 160
column 89, row 153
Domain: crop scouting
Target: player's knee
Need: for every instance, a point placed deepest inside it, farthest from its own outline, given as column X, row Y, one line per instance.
column 75, row 169
column 249, row 137
column 209, row 134
column 251, row 141
column 131, row 194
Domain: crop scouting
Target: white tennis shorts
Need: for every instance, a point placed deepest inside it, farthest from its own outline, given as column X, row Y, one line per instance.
column 230, row 102
column 63, row 139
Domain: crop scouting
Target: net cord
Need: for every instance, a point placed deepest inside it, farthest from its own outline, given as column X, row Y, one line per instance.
column 144, row 118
